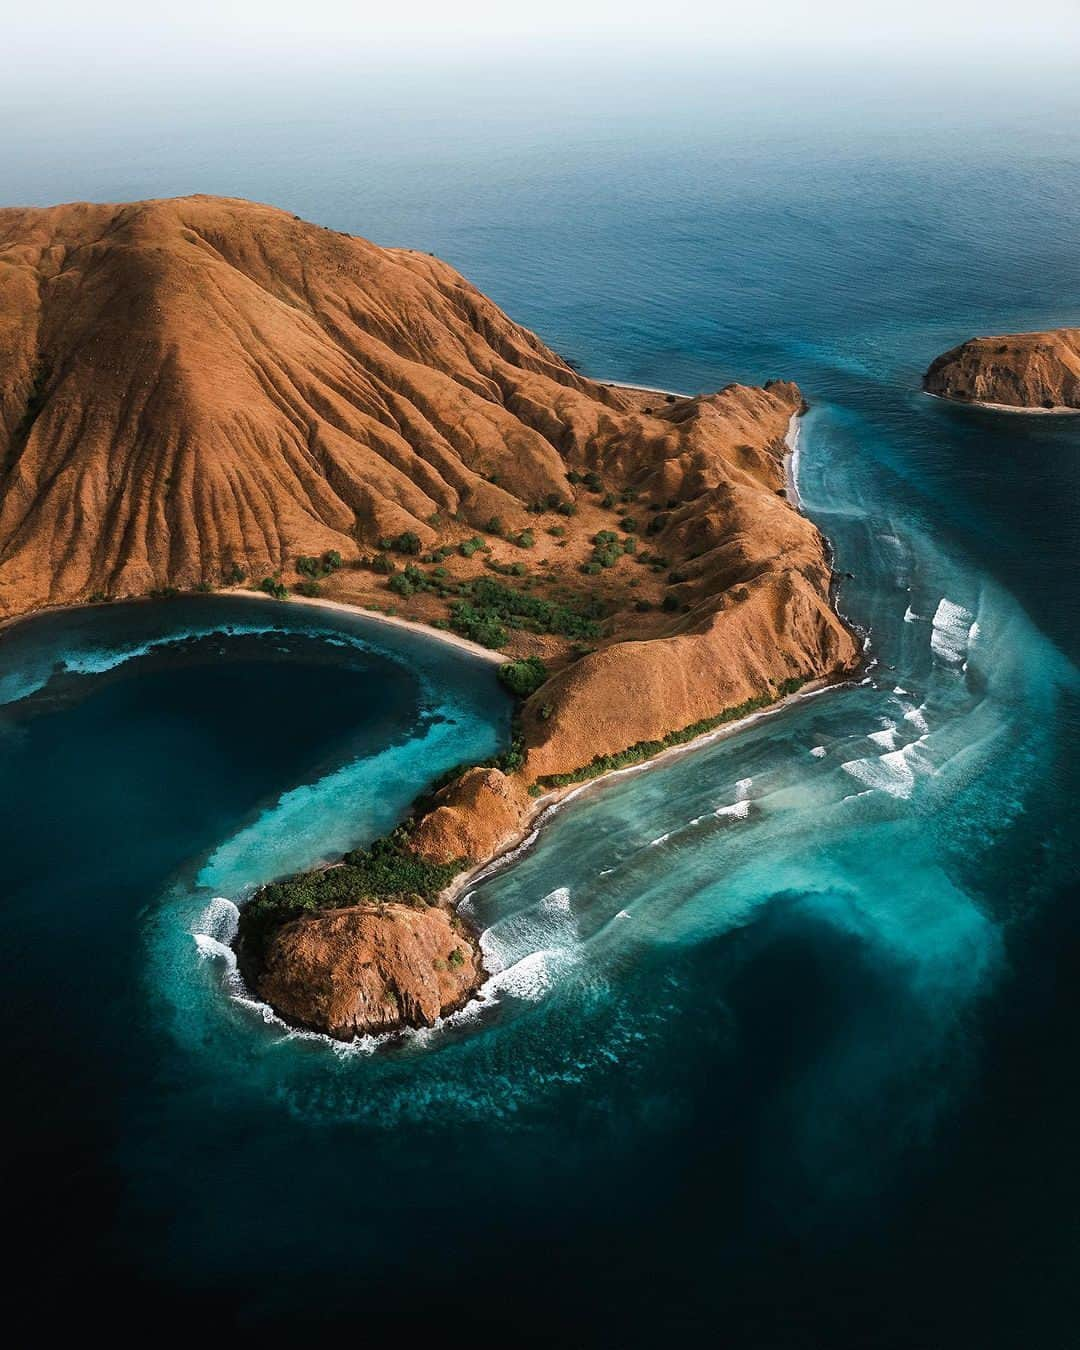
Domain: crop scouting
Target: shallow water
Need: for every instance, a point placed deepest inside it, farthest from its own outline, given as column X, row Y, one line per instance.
column 780, row 1040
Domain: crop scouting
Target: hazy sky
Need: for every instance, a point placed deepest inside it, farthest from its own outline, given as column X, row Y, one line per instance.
column 64, row 32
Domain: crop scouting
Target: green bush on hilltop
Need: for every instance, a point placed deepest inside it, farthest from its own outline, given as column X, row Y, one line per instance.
column 523, row 677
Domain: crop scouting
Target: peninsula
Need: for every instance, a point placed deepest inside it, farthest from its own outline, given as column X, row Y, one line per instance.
column 200, row 393
column 1016, row 372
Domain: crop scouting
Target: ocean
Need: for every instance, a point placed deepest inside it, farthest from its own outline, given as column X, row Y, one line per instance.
column 779, row 1048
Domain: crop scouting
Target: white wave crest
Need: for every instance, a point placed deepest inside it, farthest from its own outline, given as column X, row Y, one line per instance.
column 917, row 718
column 886, row 737
column 739, row 810
column 951, row 628
column 893, row 773
column 660, row 839
column 818, row 752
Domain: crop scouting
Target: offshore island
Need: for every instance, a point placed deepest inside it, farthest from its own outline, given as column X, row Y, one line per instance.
column 1014, row 372
column 203, row 393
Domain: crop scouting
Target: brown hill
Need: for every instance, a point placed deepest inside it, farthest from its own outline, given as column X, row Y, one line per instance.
column 1016, row 370
column 196, row 388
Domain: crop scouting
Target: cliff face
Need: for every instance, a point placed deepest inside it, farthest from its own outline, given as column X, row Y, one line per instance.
column 198, row 387
column 368, row 969
column 1017, row 370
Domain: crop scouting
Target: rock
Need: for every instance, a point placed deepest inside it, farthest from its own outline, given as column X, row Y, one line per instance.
column 368, row 968
column 1017, row 370
column 474, row 817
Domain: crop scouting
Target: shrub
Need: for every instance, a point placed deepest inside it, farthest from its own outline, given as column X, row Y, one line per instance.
column 671, row 603
column 234, row 575
column 310, row 589
column 608, row 502
column 406, row 542
column 567, row 509
column 523, row 677
column 401, row 585
column 383, row 564
column 629, row 524
column 642, row 606
column 659, row 522
column 471, row 546
column 526, row 539
column 273, row 586
column 495, row 526
column 456, row 958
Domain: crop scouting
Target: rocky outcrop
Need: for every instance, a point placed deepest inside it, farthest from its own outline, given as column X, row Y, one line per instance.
column 368, row 968
column 1017, row 370
column 477, row 816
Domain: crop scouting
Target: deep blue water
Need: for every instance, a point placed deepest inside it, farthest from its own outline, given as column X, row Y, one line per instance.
column 781, row 1050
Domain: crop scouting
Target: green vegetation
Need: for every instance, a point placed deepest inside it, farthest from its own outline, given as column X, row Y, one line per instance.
column 643, row 750
column 386, row 871
column 310, row 589
column 315, row 568
column 456, row 958
column 524, row 539
column 488, row 608
column 406, row 542
column 523, row 677
column 607, row 550
column 471, row 546
column 234, row 575
column 273, row 586
column 402, row 585
column 383, row 564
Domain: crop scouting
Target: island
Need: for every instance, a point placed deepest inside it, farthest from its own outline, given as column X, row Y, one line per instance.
column 1016, row 372
column 203, row 393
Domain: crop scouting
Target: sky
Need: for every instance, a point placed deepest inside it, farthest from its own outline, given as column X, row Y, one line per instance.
column 59, row 34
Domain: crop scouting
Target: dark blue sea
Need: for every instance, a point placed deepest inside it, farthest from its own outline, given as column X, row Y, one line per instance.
column 781, row 1047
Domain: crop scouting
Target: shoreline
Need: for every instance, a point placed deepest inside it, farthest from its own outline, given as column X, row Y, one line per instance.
column 792, row 439
column 642, row 388
column 1060, row 410
column 528, row 834
column 344, row 607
